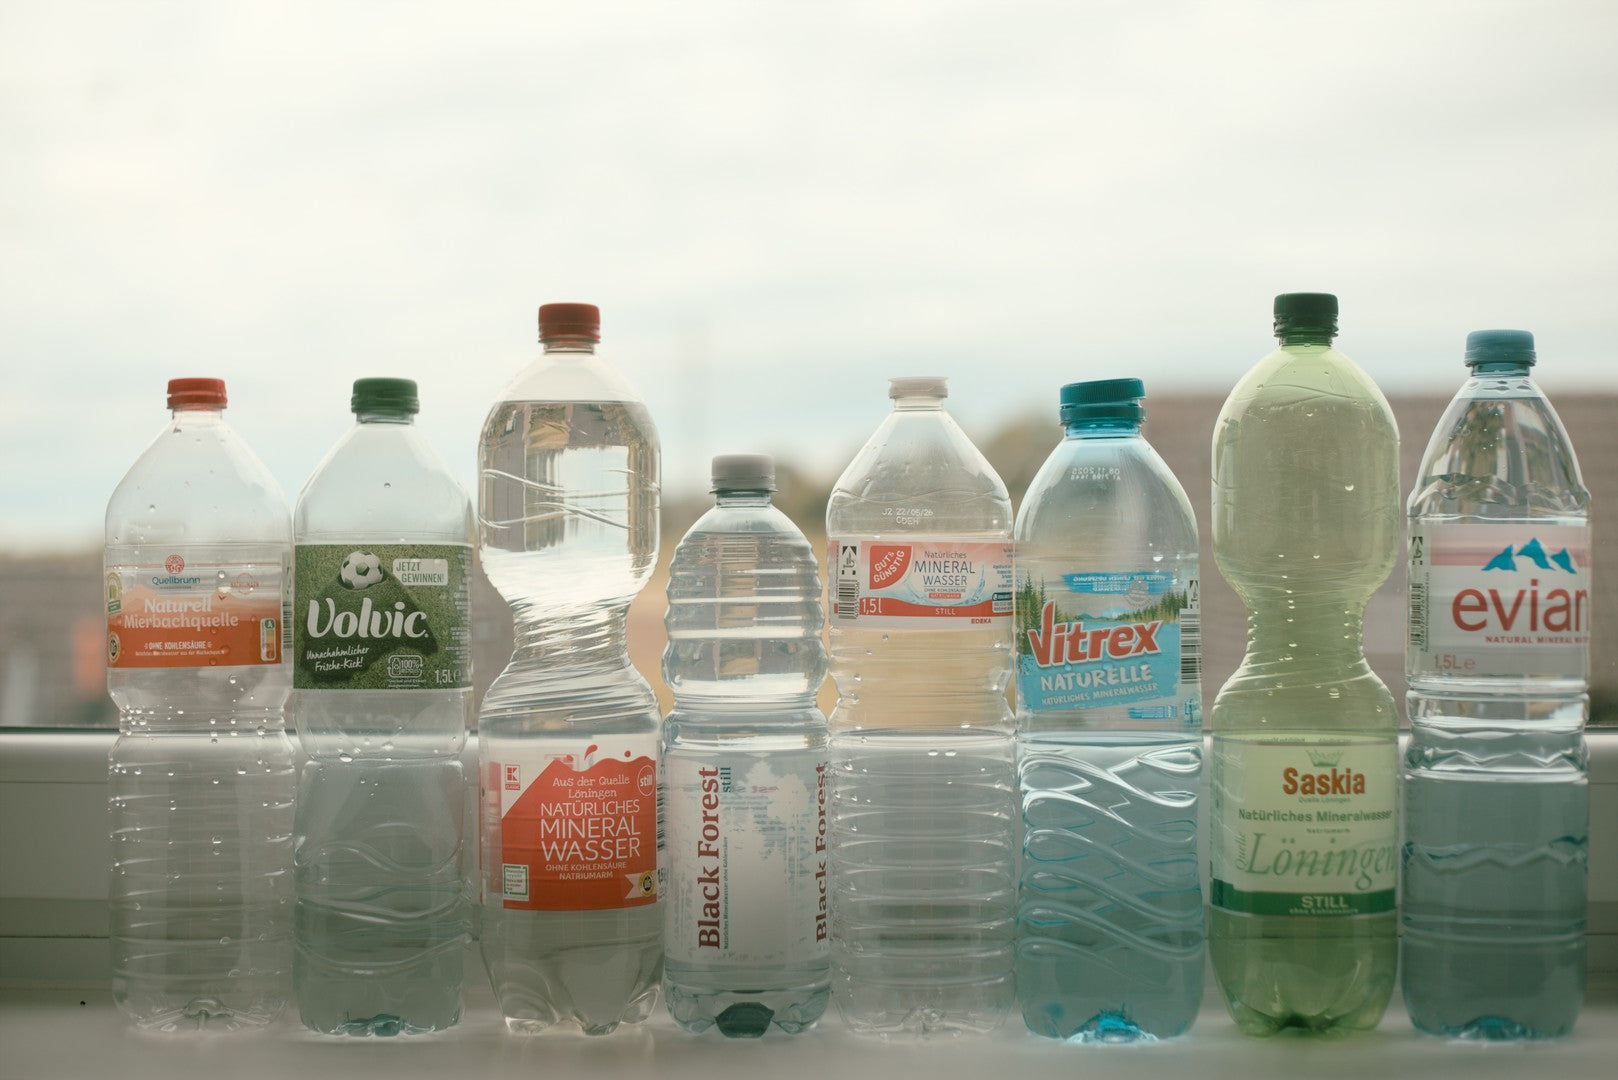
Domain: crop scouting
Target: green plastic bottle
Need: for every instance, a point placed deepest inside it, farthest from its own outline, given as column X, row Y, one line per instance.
column 1306, row 526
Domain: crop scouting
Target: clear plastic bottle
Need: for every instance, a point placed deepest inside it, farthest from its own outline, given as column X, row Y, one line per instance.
column 1305, row 736
column 1109, row 715
column 922, row 741
column 382, row 692
column 568, row 734
column 1496, row 795
column 744, row 767
column 198, row 541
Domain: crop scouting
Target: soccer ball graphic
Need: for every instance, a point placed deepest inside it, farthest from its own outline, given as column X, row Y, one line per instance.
column 360, row 570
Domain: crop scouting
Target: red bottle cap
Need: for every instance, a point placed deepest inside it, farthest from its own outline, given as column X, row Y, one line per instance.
column 569, row 320
column 209, row 393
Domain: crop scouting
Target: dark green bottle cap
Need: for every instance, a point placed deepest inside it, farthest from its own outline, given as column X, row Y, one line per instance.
column 1515, row 347
column 395, row 397
column 1307, row 315
column 1103, row 399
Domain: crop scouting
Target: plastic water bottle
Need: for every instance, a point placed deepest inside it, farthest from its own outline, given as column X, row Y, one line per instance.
column 1305, row 741
column 1109, row 714
column 382, row 691
column 568, row 734
column 744, row 767
column 1496, row 799
column 198, row 542
column 922, row 741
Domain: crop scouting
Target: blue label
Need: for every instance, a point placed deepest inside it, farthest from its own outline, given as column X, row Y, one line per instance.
column 1104, row 639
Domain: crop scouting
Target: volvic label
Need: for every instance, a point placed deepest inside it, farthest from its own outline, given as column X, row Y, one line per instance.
column 177, row 608
column 382, row 617
column 1092, row 640
column 1507, row 599
column 1304, row 828
column 747, row 858
column 577, row 826
column 932, row 584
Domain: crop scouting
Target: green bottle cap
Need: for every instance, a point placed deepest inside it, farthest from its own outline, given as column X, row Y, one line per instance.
column 1311, row 314
column 394, row 397
column 1515, row 347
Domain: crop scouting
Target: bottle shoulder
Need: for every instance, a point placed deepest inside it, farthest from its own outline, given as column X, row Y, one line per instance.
column 384, row 482
column 197, row 483
column 1101, row 489
column 919, row 474
column 1499, row 453
column 569, row 376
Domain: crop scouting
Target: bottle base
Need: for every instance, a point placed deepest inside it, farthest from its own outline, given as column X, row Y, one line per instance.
column 747, row 1014
column 1105, row 1028
column 1491, row 1029
column 198, row 1014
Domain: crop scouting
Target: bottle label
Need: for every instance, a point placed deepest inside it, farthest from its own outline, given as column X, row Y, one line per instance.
column 1503, row 599
column 932, row 584
column 747, row 858
column 181, row 611
column 1304, row 828
column 1094, row 640
column 382, row 617
column 577, row 826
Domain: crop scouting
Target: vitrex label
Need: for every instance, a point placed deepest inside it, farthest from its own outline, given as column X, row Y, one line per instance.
column 1507, row 599
column 184, row 611
column 382, row 617
column 1304, row 828
column 1091, row 640
column 933, row 584
column 577, row 826
column 747, row 858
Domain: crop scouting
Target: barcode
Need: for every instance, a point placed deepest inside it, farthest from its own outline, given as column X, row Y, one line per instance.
column 1190, row 645
column 1418, row 615
column 286, row 627
column 848, row 598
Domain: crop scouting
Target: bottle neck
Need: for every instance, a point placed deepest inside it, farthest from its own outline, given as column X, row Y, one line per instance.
column 742, row 498
column 918, row 403
column 1108, row 428
column 1301, row 639
column 1503, row 369
column 405, row 419
column 198, row 414
column 1306, row 336
column 568, row 345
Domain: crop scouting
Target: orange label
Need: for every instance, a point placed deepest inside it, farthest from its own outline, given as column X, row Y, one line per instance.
column 180, row 613
column 578, row 831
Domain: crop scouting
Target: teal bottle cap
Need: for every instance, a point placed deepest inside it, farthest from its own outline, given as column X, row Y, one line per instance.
column 395, row 397
column 1500, row 347
column 1305, row 313
column 1102, row 399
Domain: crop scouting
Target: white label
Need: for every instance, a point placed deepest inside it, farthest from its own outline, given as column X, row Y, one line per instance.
column 931, row 584
column 1304, row 828
column 421, row 571
column 746, row 857
column 1509, row 599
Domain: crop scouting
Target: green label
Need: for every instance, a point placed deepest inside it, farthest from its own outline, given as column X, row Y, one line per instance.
column 1223, row 895
column 382, row 617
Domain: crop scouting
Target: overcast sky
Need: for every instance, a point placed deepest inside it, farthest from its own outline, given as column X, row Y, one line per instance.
column 776, row 205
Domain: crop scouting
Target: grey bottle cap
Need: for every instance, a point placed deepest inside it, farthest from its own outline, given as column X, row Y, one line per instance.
column 934, row 386
column 743, row 472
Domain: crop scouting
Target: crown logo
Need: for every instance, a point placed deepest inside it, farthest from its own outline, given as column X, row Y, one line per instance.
column 1322, row 760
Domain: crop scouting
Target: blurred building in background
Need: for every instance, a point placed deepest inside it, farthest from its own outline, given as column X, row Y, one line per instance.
column 52, row 627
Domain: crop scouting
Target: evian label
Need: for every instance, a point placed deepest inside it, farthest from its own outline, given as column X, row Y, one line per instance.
column 382, row 617
column 178, row 608
column 1304, row 828
column 576, row 825
column 1506, row 599
column 932, row 584
column 747, row 858
column 1092, row 640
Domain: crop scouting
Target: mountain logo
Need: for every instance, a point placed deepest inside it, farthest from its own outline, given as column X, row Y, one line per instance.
column 1534, row 552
